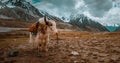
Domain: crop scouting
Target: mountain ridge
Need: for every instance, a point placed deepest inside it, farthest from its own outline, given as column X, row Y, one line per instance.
column 86, row 23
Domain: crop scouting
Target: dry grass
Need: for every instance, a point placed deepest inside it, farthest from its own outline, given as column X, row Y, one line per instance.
column 92, row 48
column 14, row 23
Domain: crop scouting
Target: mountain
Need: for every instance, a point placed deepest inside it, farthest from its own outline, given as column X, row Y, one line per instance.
column 112, row 28
column 86, row 23
column 18, row 9
column 118, row 28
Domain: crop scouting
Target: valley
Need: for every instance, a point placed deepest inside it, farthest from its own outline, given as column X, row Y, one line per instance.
column 83, row 37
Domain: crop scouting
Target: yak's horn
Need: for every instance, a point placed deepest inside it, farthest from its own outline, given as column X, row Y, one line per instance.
column 45, row 20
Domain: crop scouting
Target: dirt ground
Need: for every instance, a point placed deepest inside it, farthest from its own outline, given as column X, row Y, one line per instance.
column 73, row 47
column 14, row 23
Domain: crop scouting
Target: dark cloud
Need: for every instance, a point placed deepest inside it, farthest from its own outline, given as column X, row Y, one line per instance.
column 60, row 8
column 98, row 7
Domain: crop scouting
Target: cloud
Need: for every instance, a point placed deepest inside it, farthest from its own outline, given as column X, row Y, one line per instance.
column 98, row 7
column 65, row 8
column 57, row 7
column 113, row 16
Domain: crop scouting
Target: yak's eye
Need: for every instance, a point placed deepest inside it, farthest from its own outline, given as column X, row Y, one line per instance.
column 48, row 23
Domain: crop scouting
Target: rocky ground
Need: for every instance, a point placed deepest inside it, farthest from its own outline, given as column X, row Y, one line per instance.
column 73, row 47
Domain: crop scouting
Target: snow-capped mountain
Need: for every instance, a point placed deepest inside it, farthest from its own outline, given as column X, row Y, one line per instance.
column 18, row 9
column 86, row 23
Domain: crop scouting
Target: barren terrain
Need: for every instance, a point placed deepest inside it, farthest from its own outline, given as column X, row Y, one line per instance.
column 73, row 47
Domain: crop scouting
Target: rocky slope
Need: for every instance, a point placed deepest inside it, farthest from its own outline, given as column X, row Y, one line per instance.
column 86, row 24
column 18, row 9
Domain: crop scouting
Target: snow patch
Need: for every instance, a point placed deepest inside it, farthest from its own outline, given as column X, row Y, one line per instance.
column 10, row 5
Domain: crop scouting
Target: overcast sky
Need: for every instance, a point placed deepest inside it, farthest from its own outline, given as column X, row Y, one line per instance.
column 103, row 11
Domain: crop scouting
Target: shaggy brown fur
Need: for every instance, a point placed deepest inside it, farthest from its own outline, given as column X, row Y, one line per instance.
column 39, row 33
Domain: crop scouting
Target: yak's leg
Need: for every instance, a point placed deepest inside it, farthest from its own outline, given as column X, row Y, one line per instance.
column 32, row 39
column 37, row 41
column 39, row 46
column 45, row 44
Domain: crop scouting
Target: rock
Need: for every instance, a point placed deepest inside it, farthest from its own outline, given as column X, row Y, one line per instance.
column 74, row 53
column 76, row 61
column 115, row 57
column 72, row 47
column 116, row 49
column 95, row 57
column 10, row 61
column 13, row 53
column 95, row 41
column 2, row 59
column 103, row 54
column 101, row 60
